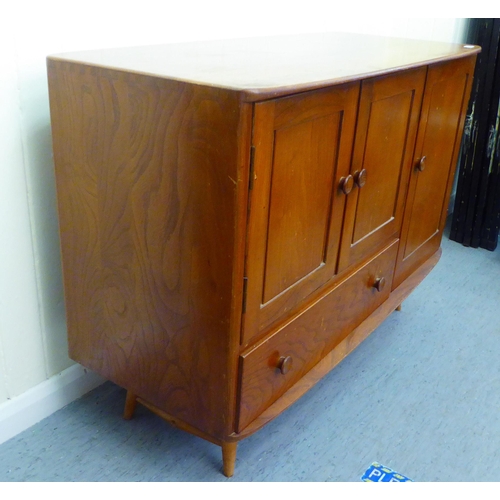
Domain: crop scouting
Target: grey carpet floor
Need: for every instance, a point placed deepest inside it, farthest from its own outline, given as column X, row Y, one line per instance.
column 421, row 395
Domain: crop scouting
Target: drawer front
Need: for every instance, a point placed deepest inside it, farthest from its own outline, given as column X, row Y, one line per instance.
column 274, row 365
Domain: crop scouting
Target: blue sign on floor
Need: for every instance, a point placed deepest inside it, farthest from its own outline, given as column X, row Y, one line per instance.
column 378, row 473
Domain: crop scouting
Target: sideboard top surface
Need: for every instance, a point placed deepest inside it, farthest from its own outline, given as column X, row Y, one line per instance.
column 268, row 66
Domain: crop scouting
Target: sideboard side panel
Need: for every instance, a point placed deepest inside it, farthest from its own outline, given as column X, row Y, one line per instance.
column 147, row 179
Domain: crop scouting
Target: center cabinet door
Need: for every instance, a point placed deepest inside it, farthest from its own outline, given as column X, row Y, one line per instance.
column 302, row 151
column 389, row 111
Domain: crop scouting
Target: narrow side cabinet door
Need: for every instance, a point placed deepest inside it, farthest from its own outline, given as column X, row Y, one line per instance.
column 302, row 149
column 383, row 151
column 440, row 131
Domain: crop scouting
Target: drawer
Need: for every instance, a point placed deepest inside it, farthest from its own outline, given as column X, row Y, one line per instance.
column 272, row 366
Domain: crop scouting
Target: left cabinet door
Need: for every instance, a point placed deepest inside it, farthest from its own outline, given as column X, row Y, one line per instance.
column 302, row 158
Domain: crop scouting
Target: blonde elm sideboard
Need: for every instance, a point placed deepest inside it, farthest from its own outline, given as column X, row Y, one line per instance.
column 237, row 216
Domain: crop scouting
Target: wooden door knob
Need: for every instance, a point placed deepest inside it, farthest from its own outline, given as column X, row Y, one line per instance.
column 285, row 364
column 346, row 184
column 360, row 178
column 421, row 164
column 379, row 284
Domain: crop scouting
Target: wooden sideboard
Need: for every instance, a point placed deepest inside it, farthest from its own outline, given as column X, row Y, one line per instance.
column 237, row 216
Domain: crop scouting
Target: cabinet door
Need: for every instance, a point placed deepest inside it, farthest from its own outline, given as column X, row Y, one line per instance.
column 303, row 148
column 383, row 151
column 444, row 107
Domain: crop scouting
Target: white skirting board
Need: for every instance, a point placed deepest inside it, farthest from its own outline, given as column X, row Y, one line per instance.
column 25, row 410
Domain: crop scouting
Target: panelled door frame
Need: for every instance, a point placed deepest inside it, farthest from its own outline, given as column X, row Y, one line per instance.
column 372, row 199
column 268, row 236
column 429, row 165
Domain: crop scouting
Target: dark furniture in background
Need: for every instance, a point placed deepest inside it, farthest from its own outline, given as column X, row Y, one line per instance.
column 476, row 213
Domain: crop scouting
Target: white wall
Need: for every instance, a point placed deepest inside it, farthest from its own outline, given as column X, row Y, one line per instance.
column 32, row 322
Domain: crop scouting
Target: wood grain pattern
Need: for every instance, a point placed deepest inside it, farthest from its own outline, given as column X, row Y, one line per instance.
column 215, row 291
column 147, row 196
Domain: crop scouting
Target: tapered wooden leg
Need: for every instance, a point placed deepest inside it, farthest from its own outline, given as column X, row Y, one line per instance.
column 229, row 457
column 398, row 308
column 130, row 404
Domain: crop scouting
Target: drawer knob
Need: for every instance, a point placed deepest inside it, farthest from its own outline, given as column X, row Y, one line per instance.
column 360, row 178
column 285, row 364
column 379, row 284
column 346, row 184
column 421, row 164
